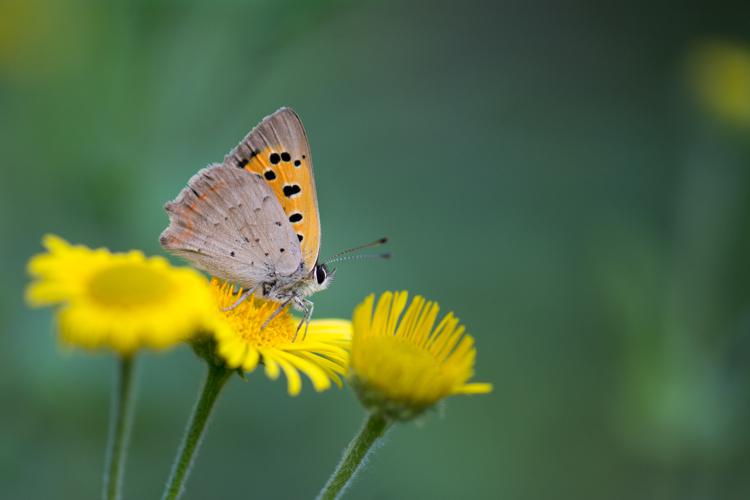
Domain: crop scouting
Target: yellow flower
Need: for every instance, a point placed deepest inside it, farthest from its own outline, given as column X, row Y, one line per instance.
column 720, row 73
column 322, row 354
column 401, row 365
column 118, row 301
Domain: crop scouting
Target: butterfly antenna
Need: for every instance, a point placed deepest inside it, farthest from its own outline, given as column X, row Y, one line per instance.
column 376, row 243
column 386, row 255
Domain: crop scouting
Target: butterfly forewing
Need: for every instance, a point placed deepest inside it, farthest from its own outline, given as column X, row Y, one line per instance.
column 229, row 223
column 277, row 149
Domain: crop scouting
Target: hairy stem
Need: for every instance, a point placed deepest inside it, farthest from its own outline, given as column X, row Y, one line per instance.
column 216, row 378
column 355, row 456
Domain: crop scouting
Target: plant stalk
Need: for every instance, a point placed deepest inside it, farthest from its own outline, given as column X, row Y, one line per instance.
column 121, row 415
column 355, row 456
column 216, row 378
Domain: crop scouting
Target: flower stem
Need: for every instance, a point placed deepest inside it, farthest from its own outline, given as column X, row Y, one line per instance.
column 119, row 429
column 374, row 427
column 215, row 379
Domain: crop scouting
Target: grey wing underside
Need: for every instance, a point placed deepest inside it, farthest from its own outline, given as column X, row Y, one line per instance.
column 284, row 129
column 228, row 222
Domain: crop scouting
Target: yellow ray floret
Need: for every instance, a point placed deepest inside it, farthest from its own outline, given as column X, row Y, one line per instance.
column 401, row 363
column 118, row 301
column 322, row 354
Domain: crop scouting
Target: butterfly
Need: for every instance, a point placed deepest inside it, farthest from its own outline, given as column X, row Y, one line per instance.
column 253, row 220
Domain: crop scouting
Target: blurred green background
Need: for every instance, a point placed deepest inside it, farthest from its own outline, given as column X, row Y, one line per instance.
column 572, row 180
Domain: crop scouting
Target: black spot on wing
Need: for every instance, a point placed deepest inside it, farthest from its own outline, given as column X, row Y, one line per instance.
column 242, row 162
column 295, row 217
column 300, row 237
column 285, row 156
column 291, row 189
column 274, row 158
column 269, row 175
column 297, row 163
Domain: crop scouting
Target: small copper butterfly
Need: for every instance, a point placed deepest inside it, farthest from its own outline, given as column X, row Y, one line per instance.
column 253, row 220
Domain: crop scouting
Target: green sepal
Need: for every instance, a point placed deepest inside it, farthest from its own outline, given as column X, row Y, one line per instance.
column 377, row 403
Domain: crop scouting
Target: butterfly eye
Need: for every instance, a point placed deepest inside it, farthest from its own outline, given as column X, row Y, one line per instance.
column 320, row 274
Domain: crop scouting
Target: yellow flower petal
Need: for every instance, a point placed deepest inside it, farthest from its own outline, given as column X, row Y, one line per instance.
column 314, row 372
column 332, row 370
column 272, row 366
column 476, row 388
column 251, row 359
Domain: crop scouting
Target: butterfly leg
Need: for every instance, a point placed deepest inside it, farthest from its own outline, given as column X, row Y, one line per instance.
column 307, row 306
column 275, row 313
column 241, row 299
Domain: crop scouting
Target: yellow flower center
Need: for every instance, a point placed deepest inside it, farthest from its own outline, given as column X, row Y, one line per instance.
column 247, row 318
column 401, row 370
column 129, row 285
column 403, row 356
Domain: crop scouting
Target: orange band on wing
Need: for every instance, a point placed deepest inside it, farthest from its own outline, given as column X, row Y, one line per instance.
column 292, row 182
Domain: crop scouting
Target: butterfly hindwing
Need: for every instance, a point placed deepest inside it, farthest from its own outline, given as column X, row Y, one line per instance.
column 277, row 149
column 229, row 223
